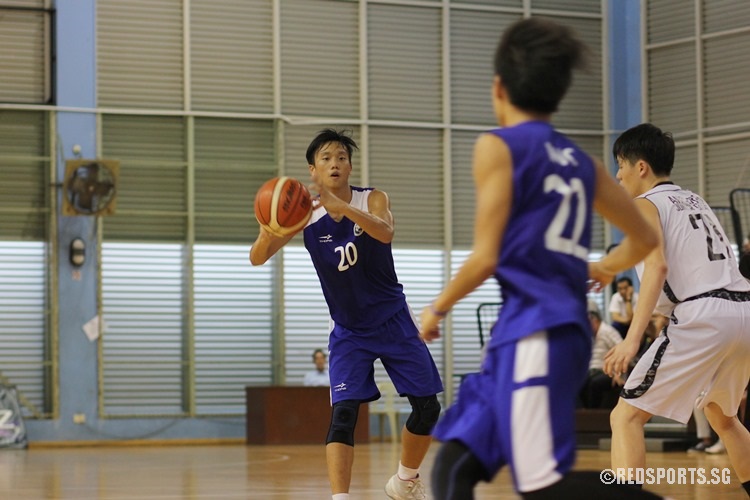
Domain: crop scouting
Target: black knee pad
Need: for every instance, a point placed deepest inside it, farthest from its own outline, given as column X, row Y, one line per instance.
column 343, row 419
column 424, row 415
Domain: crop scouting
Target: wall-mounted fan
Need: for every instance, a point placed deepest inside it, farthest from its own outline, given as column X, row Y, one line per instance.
column 90, row 187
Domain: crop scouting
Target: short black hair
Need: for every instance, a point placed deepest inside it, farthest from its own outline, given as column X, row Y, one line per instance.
column 625, row 279
column 535, row 60
column 325, row 136
column 649, row 143
column 316, row 351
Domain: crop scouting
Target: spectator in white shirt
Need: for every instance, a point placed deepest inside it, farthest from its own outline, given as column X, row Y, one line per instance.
column 622, row 305
column 600, row 390
column 318, row 376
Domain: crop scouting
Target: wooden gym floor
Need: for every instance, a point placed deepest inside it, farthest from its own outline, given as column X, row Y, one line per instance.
column 237, row 471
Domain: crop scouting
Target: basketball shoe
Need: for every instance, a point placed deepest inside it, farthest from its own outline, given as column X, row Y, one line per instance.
column 700, row 447
column 405, row 489
column 717, row 448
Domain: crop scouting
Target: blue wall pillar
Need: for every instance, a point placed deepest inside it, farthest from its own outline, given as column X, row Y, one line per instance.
column 624, row 22
column 624, row 64
column 75, row 87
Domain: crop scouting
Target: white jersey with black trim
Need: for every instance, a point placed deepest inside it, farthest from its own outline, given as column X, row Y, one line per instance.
column 698, row 253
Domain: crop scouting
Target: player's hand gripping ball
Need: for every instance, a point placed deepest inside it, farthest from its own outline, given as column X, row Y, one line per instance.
column 283, row 206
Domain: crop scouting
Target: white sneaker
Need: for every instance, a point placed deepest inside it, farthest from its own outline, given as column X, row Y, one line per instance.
column 405, row 489
column 717, row 448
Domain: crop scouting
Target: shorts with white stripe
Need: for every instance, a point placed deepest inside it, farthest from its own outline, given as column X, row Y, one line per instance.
column 520, row 409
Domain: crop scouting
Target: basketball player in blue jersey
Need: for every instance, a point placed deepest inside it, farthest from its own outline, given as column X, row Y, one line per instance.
column 693, row 278
column 535, row 190
column 349, row 240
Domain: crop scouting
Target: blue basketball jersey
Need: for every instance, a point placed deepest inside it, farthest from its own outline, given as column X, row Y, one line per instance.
column 543, row 263
column 356, row 271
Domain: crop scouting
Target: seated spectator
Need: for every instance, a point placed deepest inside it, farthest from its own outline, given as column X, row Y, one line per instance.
column 653, row 330
column 622, row 305
column 593, row 306
column 600, row 390
column 318, row 376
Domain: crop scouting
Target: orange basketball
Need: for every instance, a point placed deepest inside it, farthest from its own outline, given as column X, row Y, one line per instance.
column 283, row 205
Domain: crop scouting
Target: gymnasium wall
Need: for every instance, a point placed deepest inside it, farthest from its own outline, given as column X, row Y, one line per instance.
column 201, row 101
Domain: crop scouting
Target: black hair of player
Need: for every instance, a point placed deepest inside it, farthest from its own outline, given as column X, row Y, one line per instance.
column 325, row 136
column 535, row 60
column 649, row 143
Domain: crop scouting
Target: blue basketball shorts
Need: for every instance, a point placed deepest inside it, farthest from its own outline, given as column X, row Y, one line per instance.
column 396, row 342
column 520, row 409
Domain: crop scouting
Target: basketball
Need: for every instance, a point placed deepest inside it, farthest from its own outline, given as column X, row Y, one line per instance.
column 283, row 205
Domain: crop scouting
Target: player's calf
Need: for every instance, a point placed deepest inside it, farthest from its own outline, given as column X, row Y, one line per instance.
column 456, row 472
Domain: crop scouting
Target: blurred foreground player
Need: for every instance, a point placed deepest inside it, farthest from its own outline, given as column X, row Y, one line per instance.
column 535, row 190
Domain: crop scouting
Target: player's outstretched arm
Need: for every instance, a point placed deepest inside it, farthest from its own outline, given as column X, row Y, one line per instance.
column 654, row 273
column 266, row 245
